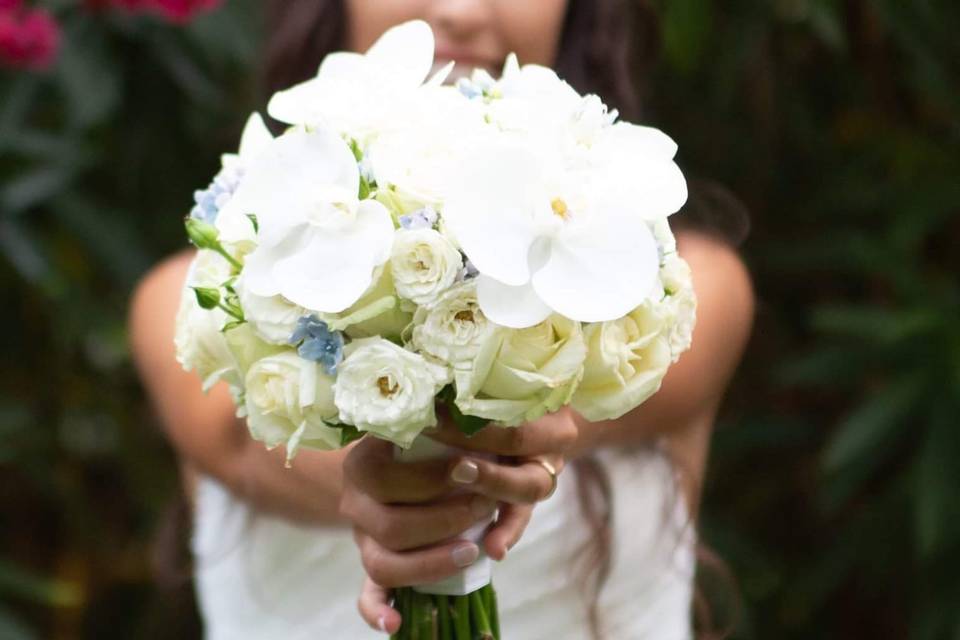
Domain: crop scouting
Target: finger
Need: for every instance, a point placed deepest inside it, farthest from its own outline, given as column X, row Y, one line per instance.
column 505, row 533
column 402, row 527
column 553, row 433
column 370, row 466
column 517, row 484
column 375, row 609
column 392, row 569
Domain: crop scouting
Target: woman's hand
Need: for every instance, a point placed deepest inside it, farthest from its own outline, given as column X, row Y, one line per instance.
column 518, row 479
column 407, row 516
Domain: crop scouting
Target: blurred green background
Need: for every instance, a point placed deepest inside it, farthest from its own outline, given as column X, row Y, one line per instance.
column 834, row 486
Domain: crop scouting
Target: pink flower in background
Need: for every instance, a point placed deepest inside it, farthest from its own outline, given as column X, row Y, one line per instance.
column 184, row 10
column 28, row 39
column 179, row 11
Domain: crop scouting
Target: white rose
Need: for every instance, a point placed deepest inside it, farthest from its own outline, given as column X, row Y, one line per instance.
column 664, row 235
column 424, row 264
column 289, row 401
column 200, row 345
column 519, row 375
column 274, row 318
column 680, row 303
column 387, row 390
column 454, row 328
column 625, row 364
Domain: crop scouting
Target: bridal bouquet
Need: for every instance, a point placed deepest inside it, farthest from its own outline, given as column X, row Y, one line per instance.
column 500, row 246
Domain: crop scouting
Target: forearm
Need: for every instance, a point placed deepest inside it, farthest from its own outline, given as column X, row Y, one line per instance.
column 693, row 389
column 212, row 442
column 203, row 428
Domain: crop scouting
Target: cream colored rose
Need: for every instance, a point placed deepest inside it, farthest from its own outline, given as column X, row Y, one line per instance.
column 200, row 346
column 289, row 401
column 424, row 264
column 679, row 303
column 454, row 328
column 626, row 362
column 387, row 390
column 521, row 374
column 385, row 320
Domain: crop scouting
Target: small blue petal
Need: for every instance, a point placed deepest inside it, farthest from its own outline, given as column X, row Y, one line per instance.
column 318, row 343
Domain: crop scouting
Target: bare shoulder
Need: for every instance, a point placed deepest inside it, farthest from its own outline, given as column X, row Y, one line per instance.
column 153, row 307
column 722, row 282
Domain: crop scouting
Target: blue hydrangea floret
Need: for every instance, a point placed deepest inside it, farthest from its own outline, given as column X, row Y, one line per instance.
column 211, row 200
column 318, row 343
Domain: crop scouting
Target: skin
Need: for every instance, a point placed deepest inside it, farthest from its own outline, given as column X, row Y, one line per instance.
column 362, row 486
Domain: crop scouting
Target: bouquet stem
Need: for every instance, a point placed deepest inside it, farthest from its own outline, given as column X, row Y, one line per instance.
column 437, row 617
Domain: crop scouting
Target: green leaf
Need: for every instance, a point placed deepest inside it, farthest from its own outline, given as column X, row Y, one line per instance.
column 875, row 421
column 469, row 425
column 348, row 433
column 230, row 326
column 12, row 628
column 20, row 582
column 937, row 511
column 252, row 217
column 364, row 188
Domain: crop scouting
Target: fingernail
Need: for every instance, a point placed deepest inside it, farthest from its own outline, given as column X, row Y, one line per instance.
column 481, row 507
column 466, row 472
column 465, row 554
column 382, row 623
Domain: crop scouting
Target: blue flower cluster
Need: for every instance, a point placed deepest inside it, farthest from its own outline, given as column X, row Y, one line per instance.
column 209, row 201
column 419, row 219
column 318, row 343
column 479, row 86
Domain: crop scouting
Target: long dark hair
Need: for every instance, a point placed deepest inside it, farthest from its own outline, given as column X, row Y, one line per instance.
column 608, row 47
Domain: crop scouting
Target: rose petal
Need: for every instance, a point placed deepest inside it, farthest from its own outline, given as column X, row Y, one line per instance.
column 508, row 306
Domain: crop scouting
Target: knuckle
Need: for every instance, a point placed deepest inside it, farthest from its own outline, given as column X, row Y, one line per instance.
column 346, row 506
column 385, row 531
column 374, row 563
column 516, row 439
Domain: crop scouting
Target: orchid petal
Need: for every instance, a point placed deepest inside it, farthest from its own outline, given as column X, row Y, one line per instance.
column 256, row 137
column 258, row 275
column 600, row 270
column 514, row 307
column 405, row 53
column 640, row 171
column 441, row 75
column 489, row 212
column 335, row 265
column 280, row 186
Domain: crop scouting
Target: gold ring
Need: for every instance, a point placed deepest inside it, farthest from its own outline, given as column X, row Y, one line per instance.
column 550, row 469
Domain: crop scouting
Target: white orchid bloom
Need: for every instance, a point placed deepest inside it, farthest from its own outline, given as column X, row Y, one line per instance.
column 253, row 140
column 318, row 244
column 358, row 93
column 235, row 228
column 570, row 235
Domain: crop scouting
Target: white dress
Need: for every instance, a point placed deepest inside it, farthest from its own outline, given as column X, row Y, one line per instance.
column 259, row 577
